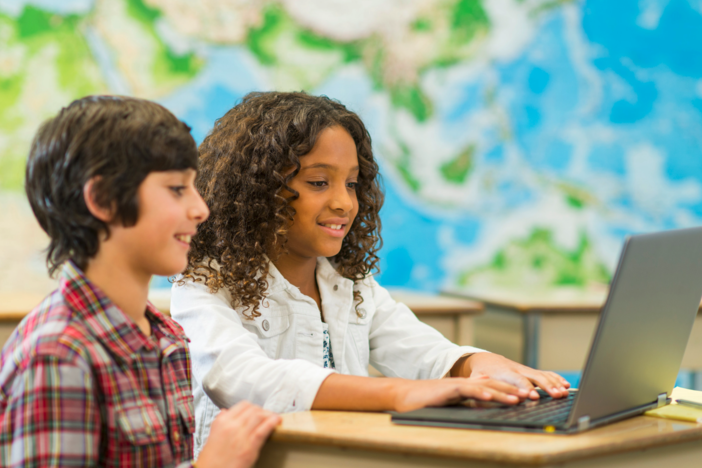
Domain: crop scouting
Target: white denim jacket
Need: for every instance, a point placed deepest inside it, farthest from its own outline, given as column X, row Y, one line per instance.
column 275, row 360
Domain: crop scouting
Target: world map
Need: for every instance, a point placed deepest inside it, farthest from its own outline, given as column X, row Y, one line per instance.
column 520, row 141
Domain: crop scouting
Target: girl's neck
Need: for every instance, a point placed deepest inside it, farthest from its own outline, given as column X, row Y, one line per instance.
column 300, row 272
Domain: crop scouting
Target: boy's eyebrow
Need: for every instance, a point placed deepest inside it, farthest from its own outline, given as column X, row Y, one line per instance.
column 324, row 166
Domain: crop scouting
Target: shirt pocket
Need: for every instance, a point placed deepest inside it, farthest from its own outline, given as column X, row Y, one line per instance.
column 141, row 424
column 186, row 412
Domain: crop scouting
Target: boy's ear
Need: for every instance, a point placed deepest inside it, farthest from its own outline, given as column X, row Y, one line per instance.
column 102, row 213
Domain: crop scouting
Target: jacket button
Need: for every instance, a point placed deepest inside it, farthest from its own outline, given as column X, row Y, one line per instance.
column 336, row 287
column 266, row 326
column 362, row 313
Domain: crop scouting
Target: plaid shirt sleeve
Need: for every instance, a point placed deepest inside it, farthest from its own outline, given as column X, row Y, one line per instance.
column 51, row 418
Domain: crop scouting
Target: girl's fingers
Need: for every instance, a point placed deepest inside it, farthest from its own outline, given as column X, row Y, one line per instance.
column 501, row 397
column 548, row 382
column 504, row 387
column 563, row 381
column 488, row 393
column 522, row 382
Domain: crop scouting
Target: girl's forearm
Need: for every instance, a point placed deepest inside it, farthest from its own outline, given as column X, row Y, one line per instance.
column 350, row 392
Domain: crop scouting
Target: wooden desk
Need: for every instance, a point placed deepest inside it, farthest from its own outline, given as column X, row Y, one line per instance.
column 449, row 315
column 550, row 329
column 345, row 439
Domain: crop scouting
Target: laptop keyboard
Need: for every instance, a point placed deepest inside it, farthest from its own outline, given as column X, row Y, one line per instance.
column 544, row 411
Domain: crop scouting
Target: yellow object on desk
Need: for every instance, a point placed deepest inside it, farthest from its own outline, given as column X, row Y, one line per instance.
column 677, row 411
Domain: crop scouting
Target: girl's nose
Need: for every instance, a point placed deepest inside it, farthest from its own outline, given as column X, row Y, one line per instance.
column 341, row 200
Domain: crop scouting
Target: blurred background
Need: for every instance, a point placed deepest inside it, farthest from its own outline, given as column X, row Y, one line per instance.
column 520, row 141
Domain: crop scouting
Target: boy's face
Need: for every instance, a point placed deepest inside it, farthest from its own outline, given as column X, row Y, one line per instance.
column 327, row 204
column 170, row 209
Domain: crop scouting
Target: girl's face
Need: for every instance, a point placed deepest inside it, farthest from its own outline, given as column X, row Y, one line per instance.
column 327, row 204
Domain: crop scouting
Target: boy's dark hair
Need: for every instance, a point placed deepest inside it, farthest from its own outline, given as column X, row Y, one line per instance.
column 246, row 163
column 117, row 140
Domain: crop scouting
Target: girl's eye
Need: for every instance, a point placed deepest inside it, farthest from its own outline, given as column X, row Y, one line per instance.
column 352, row 185
column 317, row 183
column 178, row 189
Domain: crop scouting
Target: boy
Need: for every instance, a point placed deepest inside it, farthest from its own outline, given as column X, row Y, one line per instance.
column 95, row 375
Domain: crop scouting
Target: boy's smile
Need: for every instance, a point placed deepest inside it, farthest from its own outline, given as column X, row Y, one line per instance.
column 327, row 202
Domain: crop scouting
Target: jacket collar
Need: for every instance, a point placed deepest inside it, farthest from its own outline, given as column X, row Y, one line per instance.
column 112, row 327
column 325, row 271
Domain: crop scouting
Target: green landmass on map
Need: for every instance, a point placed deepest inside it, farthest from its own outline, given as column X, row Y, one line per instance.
column 537, row 261
column 46, row 57
column 169, row 68
column 45, row 47
column 306, row 58
column 457, row 169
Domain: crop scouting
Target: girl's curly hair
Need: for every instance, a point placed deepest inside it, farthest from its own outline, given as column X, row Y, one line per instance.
column 244, row 172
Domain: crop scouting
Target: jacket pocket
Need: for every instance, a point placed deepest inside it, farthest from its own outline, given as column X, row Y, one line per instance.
column 141, row 423
column 267, row 326
column 268, row 330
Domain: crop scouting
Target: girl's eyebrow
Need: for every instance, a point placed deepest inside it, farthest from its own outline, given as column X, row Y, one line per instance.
column 324, row 166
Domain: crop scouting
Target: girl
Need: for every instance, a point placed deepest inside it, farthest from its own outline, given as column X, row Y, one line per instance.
column 278, row 300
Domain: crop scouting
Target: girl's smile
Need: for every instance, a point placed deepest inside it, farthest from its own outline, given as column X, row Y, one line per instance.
column 327, row 202
column 335, row 227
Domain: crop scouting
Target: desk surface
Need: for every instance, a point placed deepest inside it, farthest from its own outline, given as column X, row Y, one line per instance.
column 374, row 431
column 14, row 306
column 554, row 300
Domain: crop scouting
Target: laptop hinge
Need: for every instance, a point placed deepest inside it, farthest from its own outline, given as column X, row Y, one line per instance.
column 662, row 399
column 583, row 423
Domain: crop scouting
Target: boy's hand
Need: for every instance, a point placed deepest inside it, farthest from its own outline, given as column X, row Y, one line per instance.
column 237, row 436
column 414, row 394
column 500, row 368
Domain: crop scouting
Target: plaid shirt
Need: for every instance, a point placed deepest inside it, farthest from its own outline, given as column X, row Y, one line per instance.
column 81, row 385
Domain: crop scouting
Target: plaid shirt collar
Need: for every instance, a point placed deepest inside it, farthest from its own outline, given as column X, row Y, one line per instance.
column 112, row 327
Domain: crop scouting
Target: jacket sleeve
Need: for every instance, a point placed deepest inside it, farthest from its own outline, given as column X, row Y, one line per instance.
column 229, row 362
column 402, row 346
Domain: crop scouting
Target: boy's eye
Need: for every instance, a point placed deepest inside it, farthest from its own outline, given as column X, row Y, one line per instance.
column 178, row 189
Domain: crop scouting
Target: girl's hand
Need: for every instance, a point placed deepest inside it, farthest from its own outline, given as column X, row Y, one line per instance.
column 500, row 368
column 414, row 394
column 236, row 436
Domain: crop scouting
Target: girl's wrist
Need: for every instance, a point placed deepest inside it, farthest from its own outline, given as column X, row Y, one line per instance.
column 396, row 392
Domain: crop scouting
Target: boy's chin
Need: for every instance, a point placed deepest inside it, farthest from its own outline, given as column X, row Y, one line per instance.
column 171, row 269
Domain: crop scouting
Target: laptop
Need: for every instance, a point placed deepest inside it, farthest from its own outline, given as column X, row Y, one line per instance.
column 635, row 355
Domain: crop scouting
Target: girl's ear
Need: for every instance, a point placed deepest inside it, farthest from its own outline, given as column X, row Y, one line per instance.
column 102, row 213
